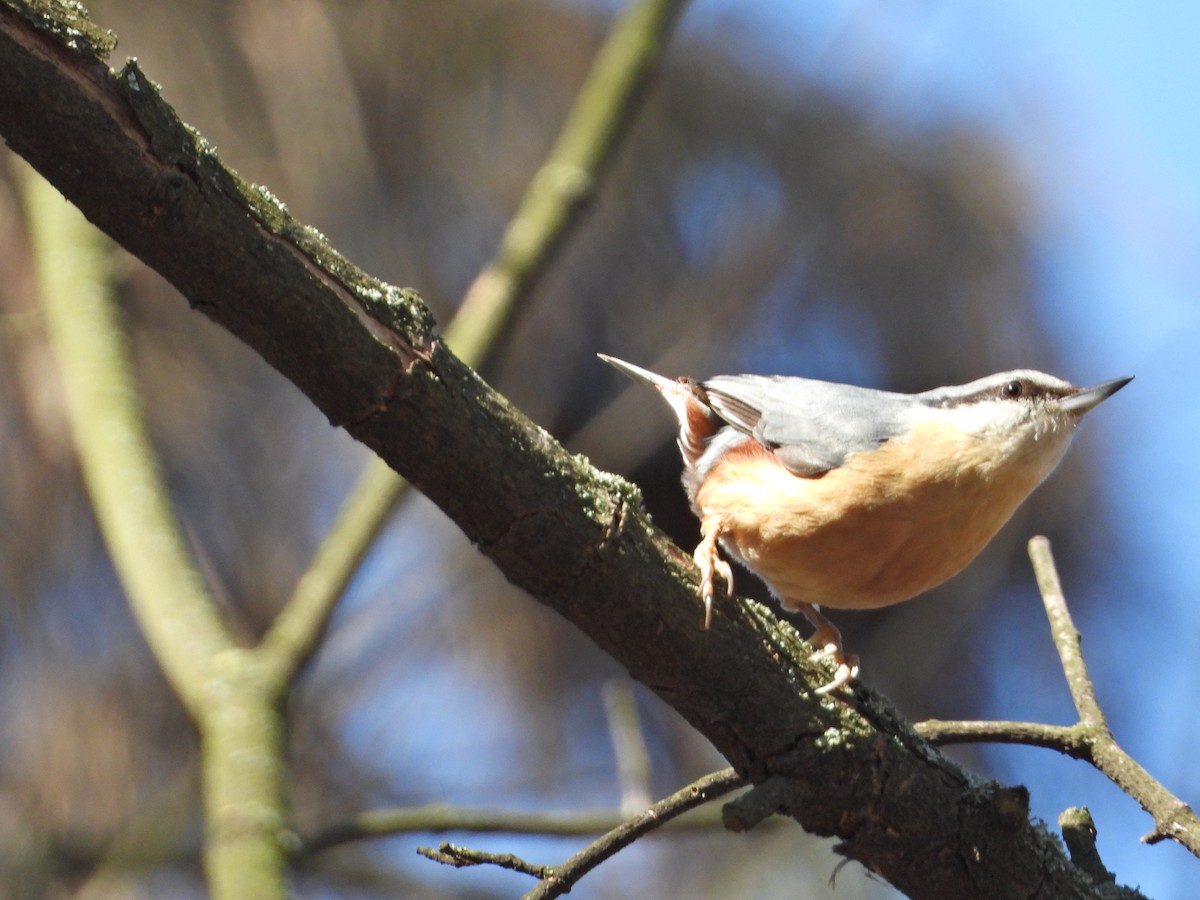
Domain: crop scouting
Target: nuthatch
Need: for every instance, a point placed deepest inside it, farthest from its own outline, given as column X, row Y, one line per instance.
column 843, row 496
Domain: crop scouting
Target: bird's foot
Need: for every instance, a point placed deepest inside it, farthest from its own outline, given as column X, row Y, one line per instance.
column 829, row 644
column 828, row 641
column 708, row 558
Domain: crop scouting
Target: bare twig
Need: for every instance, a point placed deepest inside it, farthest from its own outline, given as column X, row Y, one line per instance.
column 1090, row 739
column 1065, row 635
column 1071, row 740
column 1173, row 818
column 294, row 634
column 452, row 855
column 439, row 818
column 565, row 876
column 558, row 880
column 1079, row 834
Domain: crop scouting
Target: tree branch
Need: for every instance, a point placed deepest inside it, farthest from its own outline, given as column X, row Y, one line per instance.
column 1090, row 739
column 629, row 745
column 1066, row 636
column 558, row 880
column 1173, row 818
column 1079, row 834
column 293, row 636
column 576, row 539
column 553, row 203
column 1071, row 740
column 562, row 878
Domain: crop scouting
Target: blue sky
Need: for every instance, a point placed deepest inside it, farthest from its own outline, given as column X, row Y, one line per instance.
column 1097, row 103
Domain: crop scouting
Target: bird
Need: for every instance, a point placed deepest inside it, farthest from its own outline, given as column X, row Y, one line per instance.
column 853, row 498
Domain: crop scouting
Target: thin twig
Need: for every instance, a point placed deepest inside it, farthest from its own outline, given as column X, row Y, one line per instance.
column 1173, row 818
column 452, row 855
column 565, row 876
column 1065, row 634
column 439, row 818
column 293, row 635
column 558, row 880
column 1090, row 739
column 1071, row 740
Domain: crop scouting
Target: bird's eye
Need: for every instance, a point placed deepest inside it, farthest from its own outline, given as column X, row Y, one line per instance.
column 1012, row 390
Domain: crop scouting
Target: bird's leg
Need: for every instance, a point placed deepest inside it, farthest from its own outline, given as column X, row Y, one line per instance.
column 708, row 558
column 828, row 641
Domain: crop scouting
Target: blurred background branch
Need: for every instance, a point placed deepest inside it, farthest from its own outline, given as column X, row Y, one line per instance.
column 553, row 202
column 567, row 181
column 440, row 819
column 214, row 679
column 127, row 491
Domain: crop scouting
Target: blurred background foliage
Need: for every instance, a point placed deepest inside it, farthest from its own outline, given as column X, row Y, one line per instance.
column 747, row 224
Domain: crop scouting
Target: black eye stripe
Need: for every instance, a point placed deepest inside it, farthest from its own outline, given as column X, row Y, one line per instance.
column 1017, row 387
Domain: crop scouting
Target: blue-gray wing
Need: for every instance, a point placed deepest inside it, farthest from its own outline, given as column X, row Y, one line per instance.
column 811, row 426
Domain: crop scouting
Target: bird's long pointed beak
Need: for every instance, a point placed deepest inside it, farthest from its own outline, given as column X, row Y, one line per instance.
column 638, row 373
column 1089, row 398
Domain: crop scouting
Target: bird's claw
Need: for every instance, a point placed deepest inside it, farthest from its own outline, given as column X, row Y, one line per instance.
column 829, row 641
column 709, row 560
column 847, row 669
